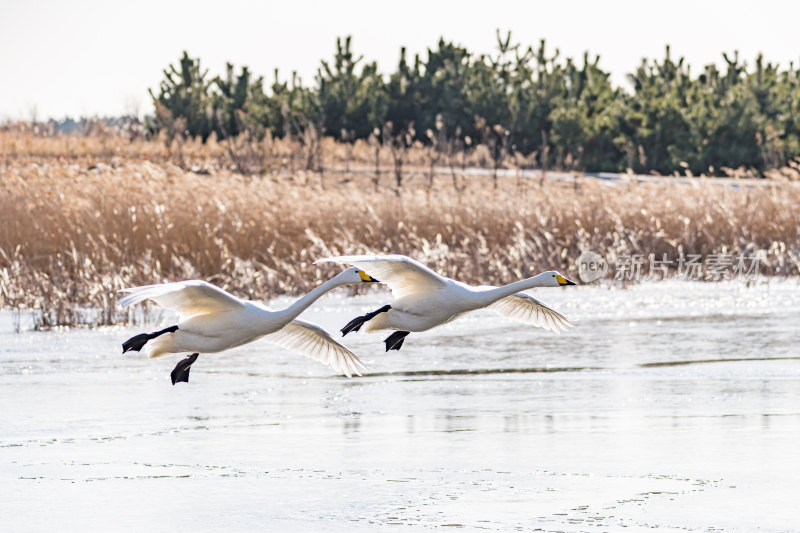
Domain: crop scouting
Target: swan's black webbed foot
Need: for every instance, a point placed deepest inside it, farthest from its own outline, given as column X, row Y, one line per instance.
column 395, row 340
column 137, row 342
column 181, row 370
column 357, row 322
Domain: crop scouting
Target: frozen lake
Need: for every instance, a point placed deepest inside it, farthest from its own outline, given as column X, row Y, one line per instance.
column 670, row 405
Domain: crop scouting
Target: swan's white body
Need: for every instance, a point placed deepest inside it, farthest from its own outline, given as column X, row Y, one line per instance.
column 424, row 299
column 212, row 320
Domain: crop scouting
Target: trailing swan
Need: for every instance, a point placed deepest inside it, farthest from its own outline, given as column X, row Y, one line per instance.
column 212, row 320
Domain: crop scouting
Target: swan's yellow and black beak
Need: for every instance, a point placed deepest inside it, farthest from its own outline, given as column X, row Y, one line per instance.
column 564, row 281
column 366, row 278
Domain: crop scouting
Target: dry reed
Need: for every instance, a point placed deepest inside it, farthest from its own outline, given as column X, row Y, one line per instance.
column 77, row 226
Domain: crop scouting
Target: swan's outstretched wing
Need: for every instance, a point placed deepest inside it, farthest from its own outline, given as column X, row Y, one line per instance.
column 402, row 274
column 187, row 298
column 526, row 308
column 314, row 342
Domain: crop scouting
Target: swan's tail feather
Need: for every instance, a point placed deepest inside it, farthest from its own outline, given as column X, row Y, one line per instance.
column 160, row 346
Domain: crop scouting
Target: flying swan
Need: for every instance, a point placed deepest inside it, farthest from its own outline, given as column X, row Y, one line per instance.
column 212, row 320
column 424, row 299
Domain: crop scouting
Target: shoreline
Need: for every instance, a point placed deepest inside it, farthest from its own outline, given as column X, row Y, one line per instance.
column 78, row 227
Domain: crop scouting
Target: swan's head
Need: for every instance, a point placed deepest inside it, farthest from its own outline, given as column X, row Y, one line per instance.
column 355, row 275
column 555, row 279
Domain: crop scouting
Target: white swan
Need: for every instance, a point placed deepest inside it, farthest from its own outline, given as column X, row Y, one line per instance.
column 424, row 299
column 212, row 320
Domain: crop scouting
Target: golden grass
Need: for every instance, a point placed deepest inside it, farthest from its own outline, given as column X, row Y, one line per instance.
column 76, row 227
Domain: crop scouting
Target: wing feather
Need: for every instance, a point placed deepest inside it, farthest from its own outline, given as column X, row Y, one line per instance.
column 187, row 298
column 312, row 341
column 526, row 308
column 403, row 275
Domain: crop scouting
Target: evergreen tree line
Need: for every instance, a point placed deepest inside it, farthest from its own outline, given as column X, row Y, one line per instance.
column 552, row 111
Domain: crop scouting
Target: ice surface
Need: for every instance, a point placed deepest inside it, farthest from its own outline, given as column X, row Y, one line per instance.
column 670, row 405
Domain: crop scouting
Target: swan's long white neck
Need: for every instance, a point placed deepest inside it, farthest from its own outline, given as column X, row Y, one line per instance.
column 291, row 312
column 488, row 297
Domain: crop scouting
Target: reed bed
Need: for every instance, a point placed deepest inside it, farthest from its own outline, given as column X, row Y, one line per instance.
column 76, row 228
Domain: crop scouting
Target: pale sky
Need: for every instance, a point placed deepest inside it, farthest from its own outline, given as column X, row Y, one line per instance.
column 86, row 57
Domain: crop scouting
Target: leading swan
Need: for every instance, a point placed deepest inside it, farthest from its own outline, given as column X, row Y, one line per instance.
column 211, row 320
column 424, row 299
